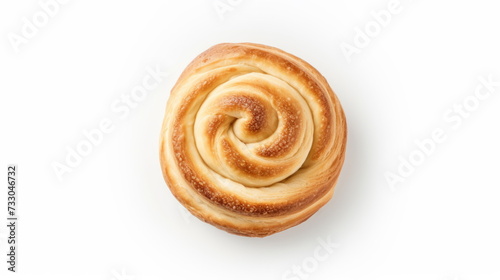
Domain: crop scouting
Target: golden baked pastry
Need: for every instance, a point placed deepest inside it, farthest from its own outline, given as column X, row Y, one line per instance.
column 253, row 139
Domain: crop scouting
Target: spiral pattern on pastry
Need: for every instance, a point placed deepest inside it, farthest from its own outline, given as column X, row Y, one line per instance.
column 253, row 139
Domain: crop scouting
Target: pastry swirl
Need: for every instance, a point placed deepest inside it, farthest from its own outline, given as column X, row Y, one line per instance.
column 253, row 139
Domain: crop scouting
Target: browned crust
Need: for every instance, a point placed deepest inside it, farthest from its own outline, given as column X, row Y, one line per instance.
column 228, row 210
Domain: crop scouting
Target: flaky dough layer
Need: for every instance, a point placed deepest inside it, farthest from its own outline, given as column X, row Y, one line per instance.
column 253, row 139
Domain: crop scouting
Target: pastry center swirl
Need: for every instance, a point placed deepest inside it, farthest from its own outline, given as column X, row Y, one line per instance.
column 254, row 129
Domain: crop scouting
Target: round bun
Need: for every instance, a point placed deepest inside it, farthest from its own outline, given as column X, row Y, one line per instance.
column 253, row 139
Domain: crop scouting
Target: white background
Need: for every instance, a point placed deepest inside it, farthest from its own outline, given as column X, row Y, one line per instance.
column 113, row 217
